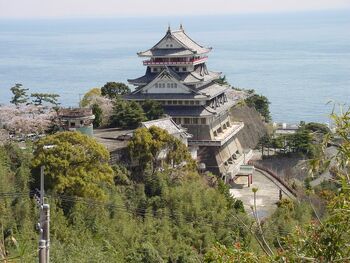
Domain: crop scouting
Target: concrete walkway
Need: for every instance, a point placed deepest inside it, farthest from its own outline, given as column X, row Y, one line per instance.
column 266, row 197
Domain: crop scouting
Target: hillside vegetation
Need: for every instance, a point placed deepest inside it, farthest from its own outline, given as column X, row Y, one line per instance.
column 110, row 214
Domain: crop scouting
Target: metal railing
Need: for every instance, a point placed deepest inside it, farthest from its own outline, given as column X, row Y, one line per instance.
column 274, row 175
column 174, row 62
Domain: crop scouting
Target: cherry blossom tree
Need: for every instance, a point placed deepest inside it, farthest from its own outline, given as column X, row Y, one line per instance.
column 26, row 119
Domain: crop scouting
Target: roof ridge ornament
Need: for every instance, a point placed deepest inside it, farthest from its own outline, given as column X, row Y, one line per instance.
column 181, row 27
column 169, row 30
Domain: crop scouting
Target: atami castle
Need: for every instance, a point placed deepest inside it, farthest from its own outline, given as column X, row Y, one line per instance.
column 178, row 78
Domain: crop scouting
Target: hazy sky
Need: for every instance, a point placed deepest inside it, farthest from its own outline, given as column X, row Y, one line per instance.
column 110, row 8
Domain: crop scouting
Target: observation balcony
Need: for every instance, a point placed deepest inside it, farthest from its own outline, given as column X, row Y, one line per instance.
column 221, row 138
column 174, row 61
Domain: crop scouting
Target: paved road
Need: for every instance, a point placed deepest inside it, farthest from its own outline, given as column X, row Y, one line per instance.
column 266, row 197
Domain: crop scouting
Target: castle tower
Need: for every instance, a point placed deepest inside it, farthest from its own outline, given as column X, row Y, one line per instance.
column 178, row 78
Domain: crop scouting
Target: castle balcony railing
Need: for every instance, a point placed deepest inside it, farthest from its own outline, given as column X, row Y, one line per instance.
column 174, row 61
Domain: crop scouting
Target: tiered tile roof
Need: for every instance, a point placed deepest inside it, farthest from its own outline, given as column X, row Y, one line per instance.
column 188, row 46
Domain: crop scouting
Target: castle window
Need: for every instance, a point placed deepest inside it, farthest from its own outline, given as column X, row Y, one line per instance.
column 184, row 69
column 168, row 85
column 195, row 121
column 203, row 121
column 175, row 85
column 175, row 102
column 163, row 85
column 187, row 120
column 177, row 69
column 186, row 102
column 170, row 102
column 191, row 102
column 156, row 85
column 197, row 102
column 180, row 102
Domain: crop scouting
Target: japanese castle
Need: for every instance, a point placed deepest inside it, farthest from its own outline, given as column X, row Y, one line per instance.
column 178, row 78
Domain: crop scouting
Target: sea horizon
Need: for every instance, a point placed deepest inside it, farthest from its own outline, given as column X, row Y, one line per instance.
column 300, row 61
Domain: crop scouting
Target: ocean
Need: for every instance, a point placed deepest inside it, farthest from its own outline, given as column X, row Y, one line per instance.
column 300, row 61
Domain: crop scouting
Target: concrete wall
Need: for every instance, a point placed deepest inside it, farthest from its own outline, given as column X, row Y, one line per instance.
column 199, row 132
column 87, row 130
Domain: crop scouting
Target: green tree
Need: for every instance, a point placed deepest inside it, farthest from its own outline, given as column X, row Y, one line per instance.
column 316, row 127
column 261, row 104
column 40, row 98
column 97, row 111
column 301, row 141
column 76, row 164
column 88, row 96
column 127, row 114
column 233, row 254
column 16, row 209
column 19, row 94
column 171, row 215
column 152, row 109
column 265, row 142
column 148, row 146
column 113, row 90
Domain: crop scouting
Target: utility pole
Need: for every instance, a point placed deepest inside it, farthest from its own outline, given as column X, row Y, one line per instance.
column 42, row 248
column 46, row 230
column 44, row 223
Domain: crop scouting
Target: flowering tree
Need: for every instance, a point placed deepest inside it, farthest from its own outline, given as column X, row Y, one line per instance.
column 27, row 118
column 93, row 97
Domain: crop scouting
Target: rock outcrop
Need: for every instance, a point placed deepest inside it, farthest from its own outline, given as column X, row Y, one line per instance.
column 254, row 127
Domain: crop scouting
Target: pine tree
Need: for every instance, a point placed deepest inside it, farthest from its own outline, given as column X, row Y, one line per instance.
column 19, row 94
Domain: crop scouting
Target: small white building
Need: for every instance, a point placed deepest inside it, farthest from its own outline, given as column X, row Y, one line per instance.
column 76, row 119
column 285, row 128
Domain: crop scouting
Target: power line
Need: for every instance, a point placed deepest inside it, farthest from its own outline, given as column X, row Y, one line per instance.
column 170, row 215
column 122, row 208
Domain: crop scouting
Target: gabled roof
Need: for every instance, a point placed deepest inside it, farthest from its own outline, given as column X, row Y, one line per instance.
column 209, row 90
column 166, row 124
column 200, row 74
column 167, row 71
column 188, row 46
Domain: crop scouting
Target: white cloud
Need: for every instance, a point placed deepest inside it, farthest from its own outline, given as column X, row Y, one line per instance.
column 95, row 8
